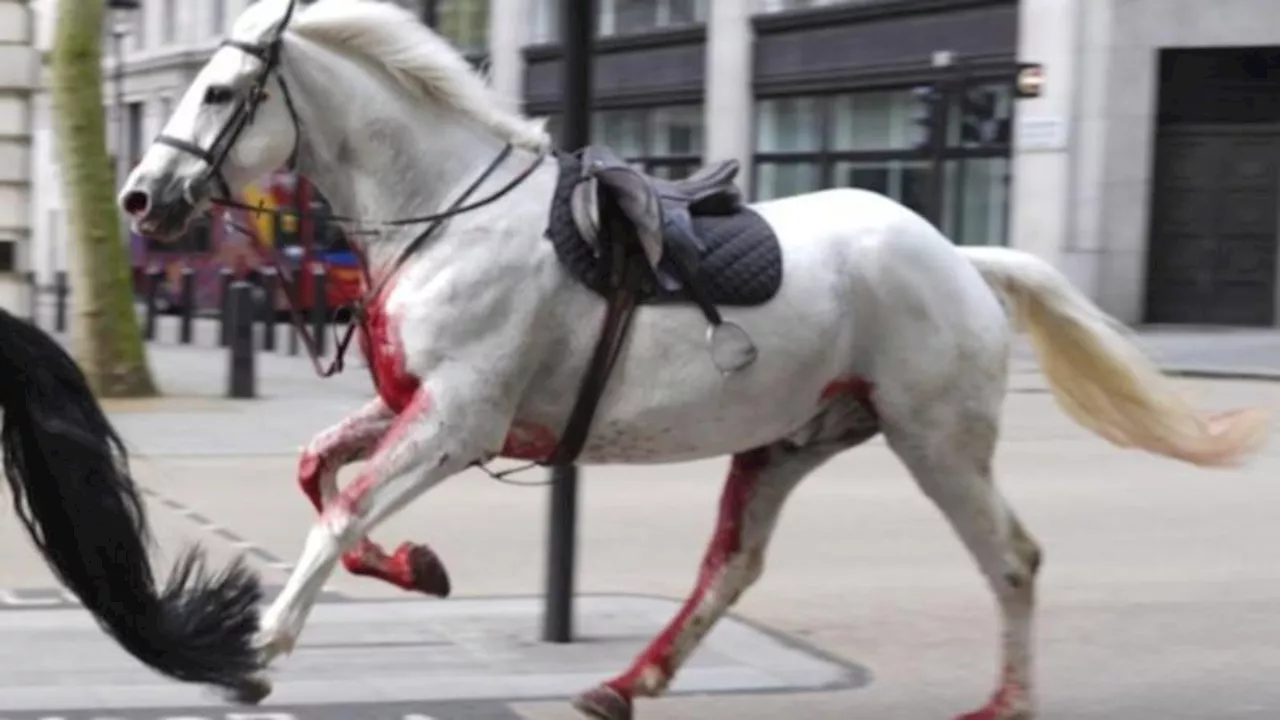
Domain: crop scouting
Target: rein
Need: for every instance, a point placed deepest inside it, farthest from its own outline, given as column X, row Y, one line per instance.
column 269, row 52
column 358, row 308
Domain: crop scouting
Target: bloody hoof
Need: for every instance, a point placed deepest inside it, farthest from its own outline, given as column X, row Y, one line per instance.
column 428, row 573
column 1008, row 704
column 603, row 703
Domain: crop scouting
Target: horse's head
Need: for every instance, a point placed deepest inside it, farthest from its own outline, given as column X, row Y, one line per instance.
column 234, row 124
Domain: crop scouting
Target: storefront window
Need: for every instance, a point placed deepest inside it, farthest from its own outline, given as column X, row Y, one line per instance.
column 666, row 141
column 977, row 200
column 621, row 17
column 771, row 6
column 874, row 121
column 786, row 125
column 906, row 181
column 869, row 140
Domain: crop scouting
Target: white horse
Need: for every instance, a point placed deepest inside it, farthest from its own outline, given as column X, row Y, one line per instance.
column 478, row 341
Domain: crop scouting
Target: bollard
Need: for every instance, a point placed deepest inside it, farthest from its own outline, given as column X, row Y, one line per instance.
column 319, row 306
column 241, row 373
column 270, row 285
column 557, row 620
column 33, row 295
column 61, row 290
column 186, row 330
column 225, row 276
column 154, row 277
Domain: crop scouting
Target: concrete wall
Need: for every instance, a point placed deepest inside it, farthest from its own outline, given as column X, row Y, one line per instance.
column 1086, row 206
column 18, row 77
column 730, row 104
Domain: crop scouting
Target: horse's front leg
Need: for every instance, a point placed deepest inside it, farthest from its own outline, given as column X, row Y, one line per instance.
column 443, row 430
column 411, row 566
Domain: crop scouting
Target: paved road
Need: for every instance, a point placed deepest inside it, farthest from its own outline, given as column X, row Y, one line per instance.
column 1158, row 598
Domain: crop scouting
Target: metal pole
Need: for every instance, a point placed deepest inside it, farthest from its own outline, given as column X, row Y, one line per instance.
column 577, row 22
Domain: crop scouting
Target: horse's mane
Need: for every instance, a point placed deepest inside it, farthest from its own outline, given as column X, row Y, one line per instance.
column 414, row 55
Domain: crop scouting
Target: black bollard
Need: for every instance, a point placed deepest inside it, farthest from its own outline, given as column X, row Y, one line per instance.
column 61, row 290
column 319, row 306
column 225, row 276
column 270, row 285
column 241, row 373
column 33, row 297
column 187, row 328
column 154, row 277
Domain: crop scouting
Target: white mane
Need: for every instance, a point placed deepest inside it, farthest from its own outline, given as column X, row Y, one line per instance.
column 411, row 52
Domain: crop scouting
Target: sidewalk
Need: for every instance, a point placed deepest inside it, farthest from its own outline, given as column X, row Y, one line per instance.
column 869, row 608
column 1198, row 352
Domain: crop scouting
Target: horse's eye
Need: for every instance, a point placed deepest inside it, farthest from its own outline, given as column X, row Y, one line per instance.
column 218, row 95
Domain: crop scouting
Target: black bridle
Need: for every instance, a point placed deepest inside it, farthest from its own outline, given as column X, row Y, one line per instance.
column 246, row 108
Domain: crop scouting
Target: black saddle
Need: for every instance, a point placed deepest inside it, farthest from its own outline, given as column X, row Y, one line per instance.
column 634, row 238
column 701, row 241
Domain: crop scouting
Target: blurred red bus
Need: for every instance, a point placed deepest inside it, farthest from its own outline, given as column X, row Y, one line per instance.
column 214, row 242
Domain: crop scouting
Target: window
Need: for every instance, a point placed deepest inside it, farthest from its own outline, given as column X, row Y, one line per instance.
column 666, row 141
column 870, row 140
column 464, row 22
column 621, row 17
column 218, row 18
column 770, row 6
column 169, row 22
column 629, row 17
column 133, row 124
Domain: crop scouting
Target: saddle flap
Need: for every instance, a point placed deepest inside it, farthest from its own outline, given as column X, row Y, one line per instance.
column 637, row 200
column 584, row 204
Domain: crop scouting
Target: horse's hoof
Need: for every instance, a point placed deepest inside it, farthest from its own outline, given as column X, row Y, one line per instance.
column 603, row 703
column 250, row 692
column 428, row 572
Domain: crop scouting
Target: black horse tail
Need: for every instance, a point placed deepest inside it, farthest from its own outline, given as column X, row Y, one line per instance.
column 69, row 473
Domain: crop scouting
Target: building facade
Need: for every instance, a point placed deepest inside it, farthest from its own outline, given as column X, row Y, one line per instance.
column 18, row 63
column 1149, row 169
column 1147, row 165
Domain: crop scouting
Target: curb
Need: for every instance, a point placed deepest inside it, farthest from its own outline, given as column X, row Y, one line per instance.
column 1224, row 373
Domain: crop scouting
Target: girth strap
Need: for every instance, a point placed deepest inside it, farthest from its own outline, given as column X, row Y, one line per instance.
column 629, row 267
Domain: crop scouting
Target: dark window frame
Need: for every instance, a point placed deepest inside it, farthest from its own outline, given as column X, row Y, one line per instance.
column 650, row 163
column 827, row 159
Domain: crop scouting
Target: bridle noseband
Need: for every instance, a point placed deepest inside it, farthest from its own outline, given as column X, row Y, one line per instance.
column 242, row 116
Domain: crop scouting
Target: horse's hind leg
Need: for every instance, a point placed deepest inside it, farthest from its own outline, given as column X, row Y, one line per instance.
column 948, row 447
column 412, row 566
column 759, row 483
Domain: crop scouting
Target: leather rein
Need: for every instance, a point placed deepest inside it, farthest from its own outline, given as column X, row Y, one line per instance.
column 268, row 53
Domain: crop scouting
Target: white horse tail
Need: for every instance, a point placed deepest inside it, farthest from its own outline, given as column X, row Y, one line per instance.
column 1100, row 378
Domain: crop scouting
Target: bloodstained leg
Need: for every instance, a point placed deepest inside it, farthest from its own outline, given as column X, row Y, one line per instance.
column 433, row 438
column 759, row 482
column 411, row 567
column 952, row 465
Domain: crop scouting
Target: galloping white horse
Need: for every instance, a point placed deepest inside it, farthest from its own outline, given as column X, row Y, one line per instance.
column 479, row 338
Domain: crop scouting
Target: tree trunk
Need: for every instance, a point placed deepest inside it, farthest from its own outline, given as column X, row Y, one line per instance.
column 106, row 340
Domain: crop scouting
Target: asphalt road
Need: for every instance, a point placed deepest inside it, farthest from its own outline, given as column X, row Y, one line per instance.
column 1158, row 598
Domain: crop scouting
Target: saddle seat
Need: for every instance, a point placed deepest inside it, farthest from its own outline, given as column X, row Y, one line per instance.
column 660, row 211
column 693, row 231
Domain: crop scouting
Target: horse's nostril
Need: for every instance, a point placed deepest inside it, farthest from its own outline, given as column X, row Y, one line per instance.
column 136, row 203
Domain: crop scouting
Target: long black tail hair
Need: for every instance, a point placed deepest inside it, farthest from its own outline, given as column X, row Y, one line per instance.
column 69, row 473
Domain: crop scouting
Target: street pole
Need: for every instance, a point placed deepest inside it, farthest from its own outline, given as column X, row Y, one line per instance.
column 577, row 22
